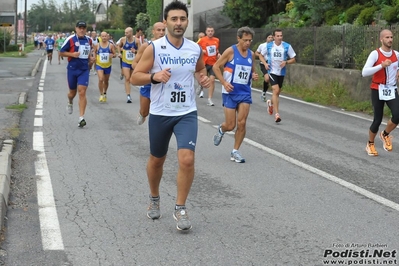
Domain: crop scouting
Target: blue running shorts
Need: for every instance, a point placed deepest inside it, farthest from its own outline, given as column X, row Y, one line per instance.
column 106, row 70
column 145, row 91
column 161, row 128
column 126, row 65
column 77, row 77
column 232, row 101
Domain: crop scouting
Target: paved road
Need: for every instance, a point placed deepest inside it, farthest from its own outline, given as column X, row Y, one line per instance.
column 292, row 203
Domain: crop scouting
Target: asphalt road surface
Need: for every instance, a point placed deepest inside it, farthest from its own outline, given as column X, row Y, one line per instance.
column 308, row 193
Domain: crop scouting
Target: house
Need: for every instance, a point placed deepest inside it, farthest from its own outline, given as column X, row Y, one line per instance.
column 101, row 10
column 7, row 12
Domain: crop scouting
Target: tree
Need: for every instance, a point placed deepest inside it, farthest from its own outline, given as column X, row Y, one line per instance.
column 154, row 11
column 131, row 9
column 252, row 13
column 115, row 15
column 142, row 21
column 60, row 18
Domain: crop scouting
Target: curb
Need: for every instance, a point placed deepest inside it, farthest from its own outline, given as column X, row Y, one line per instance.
column 34, row 70
column 5, row 176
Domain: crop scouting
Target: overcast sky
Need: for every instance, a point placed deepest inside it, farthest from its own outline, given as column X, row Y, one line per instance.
column 21, row 4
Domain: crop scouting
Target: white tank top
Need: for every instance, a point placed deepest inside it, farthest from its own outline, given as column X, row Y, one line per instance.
column 177, row 96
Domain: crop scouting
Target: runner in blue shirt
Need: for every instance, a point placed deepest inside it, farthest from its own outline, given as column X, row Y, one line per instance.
column 49, row 42
column 77, row 48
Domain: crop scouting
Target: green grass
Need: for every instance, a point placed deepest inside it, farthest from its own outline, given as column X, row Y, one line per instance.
column 17, row 107
column 27, row 49
column 327, row 94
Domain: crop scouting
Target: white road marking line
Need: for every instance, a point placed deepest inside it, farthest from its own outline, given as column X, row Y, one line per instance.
column 38, row 122
column 49, row 223
column 337, row 180
column 39, row 103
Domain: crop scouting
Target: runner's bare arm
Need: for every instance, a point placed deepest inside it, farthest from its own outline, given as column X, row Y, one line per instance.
column 224, row 58
column 141, row 75
column 139, row 54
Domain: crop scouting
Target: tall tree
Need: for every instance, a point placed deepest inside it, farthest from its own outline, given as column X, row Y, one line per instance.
column 131, row 9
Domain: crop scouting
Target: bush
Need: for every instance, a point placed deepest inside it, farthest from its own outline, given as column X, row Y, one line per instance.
column 116, row 34
column 7, row 37
column 12, row 48
column 331, row 17
column 366, row 17
column 353, row 12
column 391, row 14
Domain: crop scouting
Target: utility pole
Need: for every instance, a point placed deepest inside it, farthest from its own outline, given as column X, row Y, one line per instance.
column 16, row 23
column 25, row 20
column 106, row 10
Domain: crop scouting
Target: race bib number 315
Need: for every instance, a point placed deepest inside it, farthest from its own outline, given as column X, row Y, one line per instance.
column 177, row 96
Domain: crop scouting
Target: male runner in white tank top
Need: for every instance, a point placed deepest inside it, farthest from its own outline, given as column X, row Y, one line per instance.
column 170, row 64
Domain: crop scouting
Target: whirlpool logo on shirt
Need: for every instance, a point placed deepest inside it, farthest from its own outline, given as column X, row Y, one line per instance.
column 168, row 60
column 178, row 86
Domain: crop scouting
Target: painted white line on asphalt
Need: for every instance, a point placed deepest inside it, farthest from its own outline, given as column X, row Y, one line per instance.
column 40, row 88
column 203, row 119
column 38, row 122
column 327, row 176
column 39, row 104
column 49, row 224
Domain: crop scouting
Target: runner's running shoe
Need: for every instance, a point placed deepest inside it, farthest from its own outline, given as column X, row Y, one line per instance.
column 217, row 138
column 386, row 141
column 236, row 156
column 370, row 149
column 263, row 96
column 181, row 217
column 269, row 107
column 82, row 123
column 277, row 118
column 140, row 119
column 70, row 108
column 153, row 210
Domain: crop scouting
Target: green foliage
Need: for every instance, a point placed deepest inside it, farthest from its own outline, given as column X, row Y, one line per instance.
column 154, row 11
column 7, row 37
column 12, row 48
column 361, row 58
column 391, row 14
column 253, row 13
column 332, row 17
column 366, row 17
column 116, row 34
column 143, row 21
column 131, row 9
column 352, row 13
column 115, row 17
column 60, row 17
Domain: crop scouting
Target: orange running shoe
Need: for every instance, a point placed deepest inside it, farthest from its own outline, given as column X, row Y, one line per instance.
column 386, row 141
column 370, row 149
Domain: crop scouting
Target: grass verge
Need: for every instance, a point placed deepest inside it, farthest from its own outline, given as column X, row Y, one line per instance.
column 17, row 107
column 327, row 94
column 27, row 49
